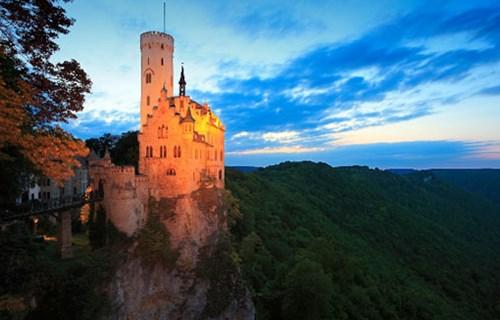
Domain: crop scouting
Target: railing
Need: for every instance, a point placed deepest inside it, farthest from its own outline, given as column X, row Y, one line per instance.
column 37, row 207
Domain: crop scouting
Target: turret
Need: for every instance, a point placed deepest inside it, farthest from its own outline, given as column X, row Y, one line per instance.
column 187, row 124
column 157, row 52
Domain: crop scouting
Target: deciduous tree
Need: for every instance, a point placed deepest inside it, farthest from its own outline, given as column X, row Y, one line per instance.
column 36, row 94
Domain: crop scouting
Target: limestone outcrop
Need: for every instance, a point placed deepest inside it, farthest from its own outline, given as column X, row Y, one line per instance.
column 195, row 277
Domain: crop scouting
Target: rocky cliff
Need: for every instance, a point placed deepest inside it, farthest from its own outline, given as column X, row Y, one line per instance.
column 181, row 265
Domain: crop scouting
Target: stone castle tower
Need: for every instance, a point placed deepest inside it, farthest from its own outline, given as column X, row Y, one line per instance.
column 181, row 143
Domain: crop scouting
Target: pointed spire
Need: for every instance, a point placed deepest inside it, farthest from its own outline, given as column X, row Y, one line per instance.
column 188, row 117
column 182, row 82
column 163, row 91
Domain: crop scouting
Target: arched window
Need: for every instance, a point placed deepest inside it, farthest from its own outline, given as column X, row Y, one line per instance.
column 147, row 100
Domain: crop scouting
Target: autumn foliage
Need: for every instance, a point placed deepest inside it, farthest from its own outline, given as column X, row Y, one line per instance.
column 36, row 94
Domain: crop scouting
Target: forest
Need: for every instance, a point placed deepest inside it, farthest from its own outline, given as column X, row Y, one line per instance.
column 357, row 243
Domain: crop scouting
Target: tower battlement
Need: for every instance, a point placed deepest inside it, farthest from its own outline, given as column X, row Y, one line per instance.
column 156, row 38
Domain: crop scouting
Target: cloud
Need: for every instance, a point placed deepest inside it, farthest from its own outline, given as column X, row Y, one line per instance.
column 276, row 150
column 493, row 91
column 410, row 154
column 281, row 137
column 404, row 69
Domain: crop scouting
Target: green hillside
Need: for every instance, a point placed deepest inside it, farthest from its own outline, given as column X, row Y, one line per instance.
column 484, row 182
column 353, row 243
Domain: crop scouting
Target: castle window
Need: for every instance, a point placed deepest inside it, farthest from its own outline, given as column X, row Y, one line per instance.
column 147, row 100
column 161, row 61
column 162, row 46
column 148, row 77
column 163, row 152
column 220, row 174
column 177, row 151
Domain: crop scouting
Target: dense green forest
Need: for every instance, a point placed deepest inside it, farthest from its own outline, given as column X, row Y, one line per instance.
column 484, row 182
column 355, row 243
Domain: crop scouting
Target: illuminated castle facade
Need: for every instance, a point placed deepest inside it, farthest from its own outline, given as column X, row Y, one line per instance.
column 181, row 143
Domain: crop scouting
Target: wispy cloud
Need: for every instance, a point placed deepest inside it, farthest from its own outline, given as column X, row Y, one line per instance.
column 401, row 70
column 276, row 150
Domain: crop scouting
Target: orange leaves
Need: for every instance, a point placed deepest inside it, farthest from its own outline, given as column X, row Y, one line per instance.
column 52, row 151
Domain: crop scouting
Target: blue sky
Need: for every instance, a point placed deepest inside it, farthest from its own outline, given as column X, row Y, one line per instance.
column 380, row 83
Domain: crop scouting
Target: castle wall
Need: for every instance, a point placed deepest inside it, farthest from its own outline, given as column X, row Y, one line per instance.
column 201, row 145
column 125, row 194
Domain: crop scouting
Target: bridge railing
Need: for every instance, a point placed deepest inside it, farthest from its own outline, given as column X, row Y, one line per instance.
column 38, row 207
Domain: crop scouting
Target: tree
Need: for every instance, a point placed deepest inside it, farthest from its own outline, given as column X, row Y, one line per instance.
column 308, row 290
column 37, row 95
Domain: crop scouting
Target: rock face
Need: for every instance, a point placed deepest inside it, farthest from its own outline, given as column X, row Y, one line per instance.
column 203, row 282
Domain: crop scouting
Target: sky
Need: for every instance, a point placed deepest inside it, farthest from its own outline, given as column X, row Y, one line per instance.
column 387, row 84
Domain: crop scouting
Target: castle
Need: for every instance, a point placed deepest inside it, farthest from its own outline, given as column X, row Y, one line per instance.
column 181, row 143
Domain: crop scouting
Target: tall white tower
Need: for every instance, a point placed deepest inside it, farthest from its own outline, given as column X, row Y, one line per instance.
column 157, row 55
